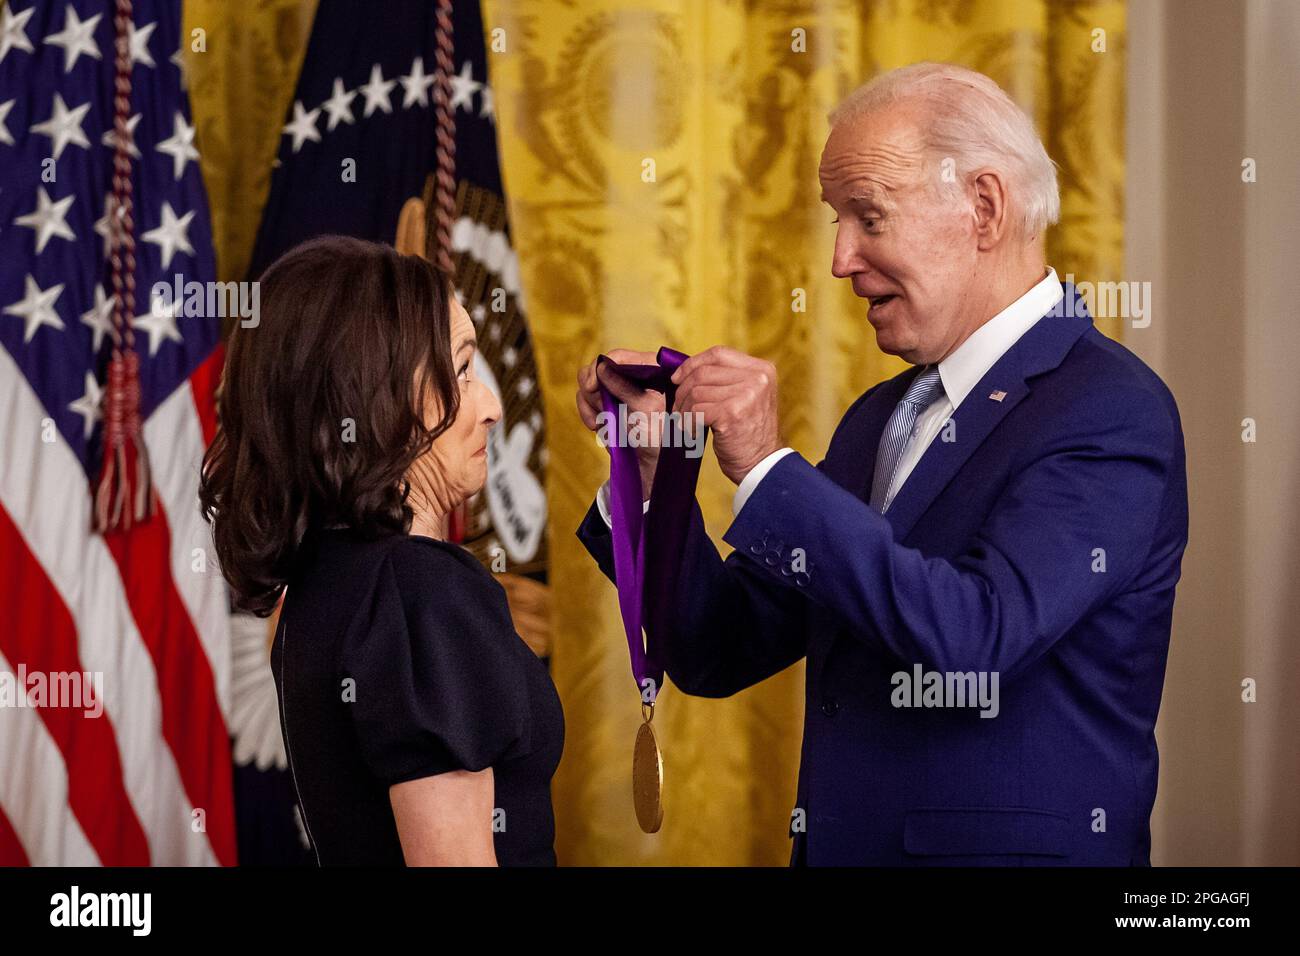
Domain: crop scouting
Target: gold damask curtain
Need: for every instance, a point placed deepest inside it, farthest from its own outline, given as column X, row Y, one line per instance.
column 660, row 159
column 241, row 84
column 712, row 251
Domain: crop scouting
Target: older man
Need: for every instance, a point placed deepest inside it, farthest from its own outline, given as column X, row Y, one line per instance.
column 981, row 571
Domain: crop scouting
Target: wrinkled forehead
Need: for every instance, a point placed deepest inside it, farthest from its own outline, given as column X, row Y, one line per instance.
column 873, row 155
column 462, row 326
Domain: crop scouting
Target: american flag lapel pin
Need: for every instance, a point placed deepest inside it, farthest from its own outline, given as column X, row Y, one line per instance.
column 997, row 395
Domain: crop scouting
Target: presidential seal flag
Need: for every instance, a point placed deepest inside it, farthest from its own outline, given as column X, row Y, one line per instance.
column 114, row 645
column 359, row 148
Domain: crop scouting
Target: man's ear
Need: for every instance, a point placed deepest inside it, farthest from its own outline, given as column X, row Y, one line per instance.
column 990, row 209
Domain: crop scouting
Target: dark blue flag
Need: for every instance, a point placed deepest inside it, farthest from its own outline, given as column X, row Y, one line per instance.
column 359, row 143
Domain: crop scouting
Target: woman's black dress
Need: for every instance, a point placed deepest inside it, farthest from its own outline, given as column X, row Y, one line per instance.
column 396, row 659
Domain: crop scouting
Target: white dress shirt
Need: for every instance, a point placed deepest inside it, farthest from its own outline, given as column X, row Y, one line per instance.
column 959, row 373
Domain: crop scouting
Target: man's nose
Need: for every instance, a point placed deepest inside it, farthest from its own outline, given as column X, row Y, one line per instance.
column 845, row 261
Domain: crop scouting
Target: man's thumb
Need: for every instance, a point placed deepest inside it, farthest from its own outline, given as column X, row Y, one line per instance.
column 621, row 388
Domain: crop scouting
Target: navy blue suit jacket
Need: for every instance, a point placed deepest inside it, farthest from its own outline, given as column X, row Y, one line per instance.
column 1041, row 543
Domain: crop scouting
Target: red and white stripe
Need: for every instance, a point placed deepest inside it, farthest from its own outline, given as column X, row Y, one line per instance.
column 149, row 782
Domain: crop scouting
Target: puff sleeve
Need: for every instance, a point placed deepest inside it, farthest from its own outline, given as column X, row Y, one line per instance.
column 438, row 680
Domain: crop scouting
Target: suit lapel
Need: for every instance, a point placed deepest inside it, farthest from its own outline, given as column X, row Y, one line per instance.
column 1039, row 350
column 1001, row 389
column 966, row 430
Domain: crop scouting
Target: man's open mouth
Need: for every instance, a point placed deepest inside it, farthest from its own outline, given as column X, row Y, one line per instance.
column 879, row 300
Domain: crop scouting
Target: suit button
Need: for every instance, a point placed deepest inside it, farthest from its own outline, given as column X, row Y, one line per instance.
column 830, row 707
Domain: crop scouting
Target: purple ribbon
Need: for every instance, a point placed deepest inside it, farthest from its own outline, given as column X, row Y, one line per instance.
column 648, row 547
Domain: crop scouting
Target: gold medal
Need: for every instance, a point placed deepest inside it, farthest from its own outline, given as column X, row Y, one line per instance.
column 647, row 775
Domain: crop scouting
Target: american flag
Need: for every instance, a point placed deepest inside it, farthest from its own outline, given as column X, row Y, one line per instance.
column 149, row 781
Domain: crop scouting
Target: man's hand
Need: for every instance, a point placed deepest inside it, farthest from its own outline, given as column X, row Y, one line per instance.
column 637, row 399
column 736, row 395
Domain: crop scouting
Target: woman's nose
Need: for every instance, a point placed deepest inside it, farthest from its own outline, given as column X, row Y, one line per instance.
column 491, row 407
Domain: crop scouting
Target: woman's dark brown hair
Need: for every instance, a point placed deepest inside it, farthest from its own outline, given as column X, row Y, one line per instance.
column 321, row 406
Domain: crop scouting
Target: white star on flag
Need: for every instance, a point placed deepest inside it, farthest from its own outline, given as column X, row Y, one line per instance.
column 76, row 37
column 49, row 219
column 64, row 126
column 160, row 323
column 303, row 126
column 99, row 317
column 416, row 85
column 377, row 92
column 140, row 44
column 179, row 146
column 488, row 109
column 5, row 136
column 170, row 235
column 104, row 226
column 88, row 405
column 339, row 106
column 109, row 138
column 37, row 308
column 12, row 34
column 463, row 88
column 178, row 60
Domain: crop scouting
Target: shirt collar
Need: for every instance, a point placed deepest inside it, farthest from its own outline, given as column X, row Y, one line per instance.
column 961, row 370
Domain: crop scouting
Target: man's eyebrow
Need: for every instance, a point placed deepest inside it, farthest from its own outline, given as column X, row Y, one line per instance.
column 873, row 196
column 470, row 342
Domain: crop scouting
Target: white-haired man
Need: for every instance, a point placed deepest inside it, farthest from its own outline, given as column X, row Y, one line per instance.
column 981, row 570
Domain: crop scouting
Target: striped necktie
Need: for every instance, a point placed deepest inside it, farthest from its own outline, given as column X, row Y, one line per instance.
column 925, row 388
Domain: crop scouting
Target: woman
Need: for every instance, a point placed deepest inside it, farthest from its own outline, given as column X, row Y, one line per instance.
column 418, row 725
